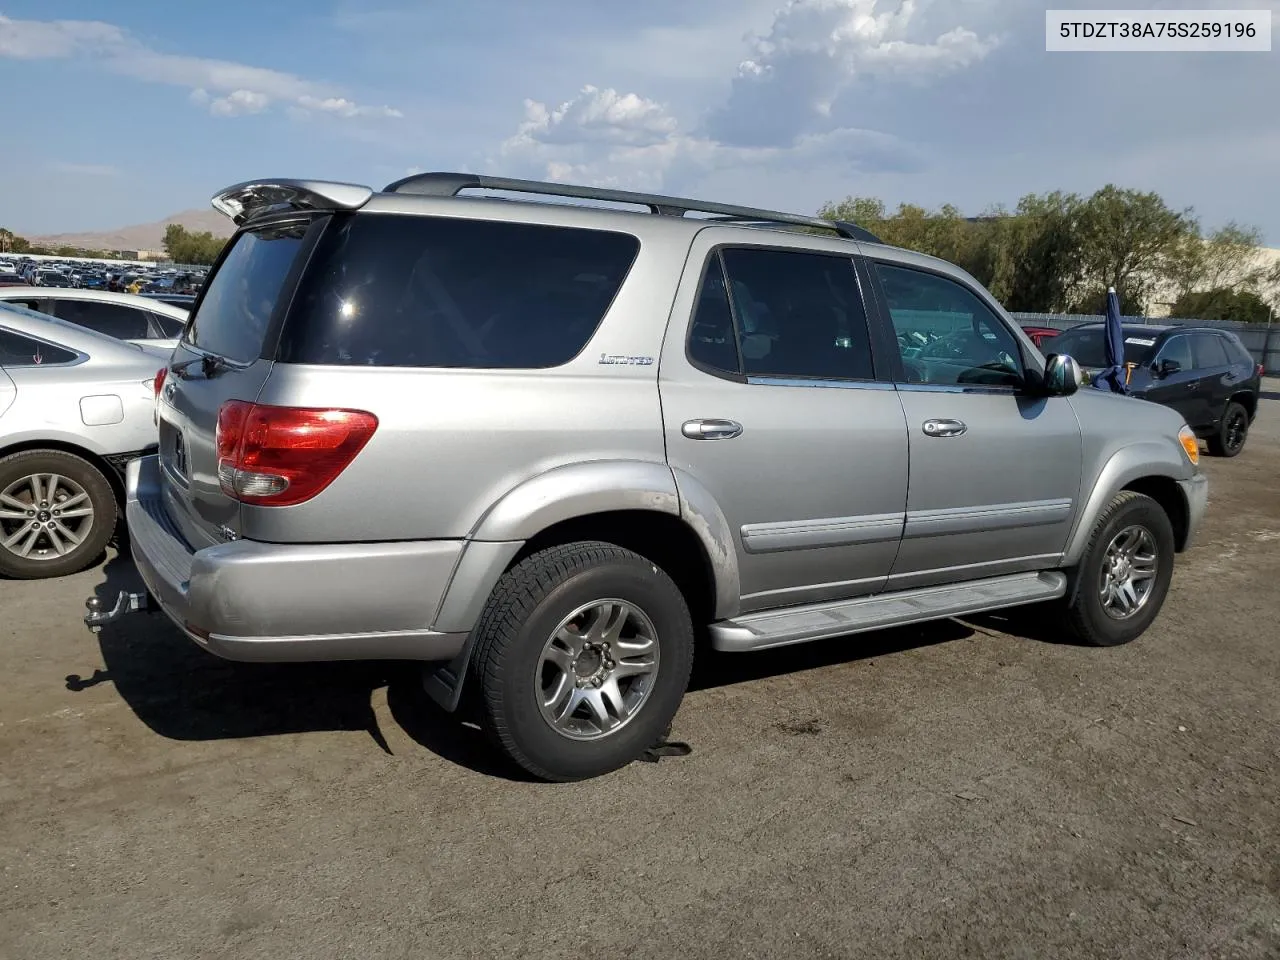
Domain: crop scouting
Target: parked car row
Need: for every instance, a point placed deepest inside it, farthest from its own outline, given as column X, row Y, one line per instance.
column 99, row 275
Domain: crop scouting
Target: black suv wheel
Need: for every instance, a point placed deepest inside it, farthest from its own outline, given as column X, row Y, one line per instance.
column 1232, row 432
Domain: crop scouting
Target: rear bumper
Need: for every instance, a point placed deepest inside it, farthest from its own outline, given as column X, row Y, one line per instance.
column 1196, row 493
column 245, row 600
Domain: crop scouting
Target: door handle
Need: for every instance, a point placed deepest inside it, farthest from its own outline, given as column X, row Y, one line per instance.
column 944, row 428
column 711, row 429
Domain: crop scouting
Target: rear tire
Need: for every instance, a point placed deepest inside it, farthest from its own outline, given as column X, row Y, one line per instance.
column 1232, row 432
column 1111, row 606
column 544, row 646
column 64, row 542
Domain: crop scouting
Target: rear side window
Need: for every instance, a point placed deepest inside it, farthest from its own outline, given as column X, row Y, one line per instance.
column 793, row 314
column 167, row 325
column 19, row 351
column 1208, row 351
column 391, row 290
column 236, row 311
column 112, row 319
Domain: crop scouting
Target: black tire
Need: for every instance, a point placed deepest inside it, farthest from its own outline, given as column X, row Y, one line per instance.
column 1232, row 432
column 526, row 607
column 102, row 524
column 1087, row 619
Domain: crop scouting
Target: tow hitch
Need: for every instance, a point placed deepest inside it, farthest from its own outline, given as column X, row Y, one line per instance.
column 126, row 602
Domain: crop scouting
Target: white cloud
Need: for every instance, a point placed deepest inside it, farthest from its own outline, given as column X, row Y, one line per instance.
column 41, row 40
column 816, row 50
column 239, row 102
column 778, row 113
column 227, row 88
column 605, row 138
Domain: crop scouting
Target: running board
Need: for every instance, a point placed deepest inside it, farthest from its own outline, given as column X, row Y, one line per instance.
column 776, row 628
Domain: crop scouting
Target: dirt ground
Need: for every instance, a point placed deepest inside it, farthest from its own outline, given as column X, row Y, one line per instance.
column 951, row 791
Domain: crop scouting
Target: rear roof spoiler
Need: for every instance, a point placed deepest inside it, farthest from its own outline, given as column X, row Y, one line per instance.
column 256, row 198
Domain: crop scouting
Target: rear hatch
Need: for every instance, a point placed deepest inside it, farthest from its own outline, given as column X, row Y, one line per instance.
column 224, row 355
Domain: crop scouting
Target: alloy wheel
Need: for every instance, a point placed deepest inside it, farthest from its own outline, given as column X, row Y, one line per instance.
column 597, row 669
column 1129, row 569
column 44, row 516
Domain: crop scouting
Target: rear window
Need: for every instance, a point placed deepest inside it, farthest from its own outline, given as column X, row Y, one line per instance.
column 391, row 290
column 233, row 318
column 1088, row 347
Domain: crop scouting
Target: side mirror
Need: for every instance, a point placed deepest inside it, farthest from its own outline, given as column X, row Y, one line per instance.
column 1169, row 366
column 1062, row 376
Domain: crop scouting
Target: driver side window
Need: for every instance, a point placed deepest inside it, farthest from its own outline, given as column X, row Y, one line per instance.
column 946, row 335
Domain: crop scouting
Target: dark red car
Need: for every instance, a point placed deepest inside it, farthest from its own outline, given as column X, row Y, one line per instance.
column 1039, row 335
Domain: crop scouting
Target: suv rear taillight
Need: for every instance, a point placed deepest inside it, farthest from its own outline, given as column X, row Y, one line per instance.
column 1262, row 372
column 158, row 382
column 278, row 456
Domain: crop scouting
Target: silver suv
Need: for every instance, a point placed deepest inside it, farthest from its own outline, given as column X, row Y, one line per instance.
column 553, row 446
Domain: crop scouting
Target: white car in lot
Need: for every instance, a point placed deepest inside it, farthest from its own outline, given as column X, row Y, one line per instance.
column 124, row 316
column 75, row 407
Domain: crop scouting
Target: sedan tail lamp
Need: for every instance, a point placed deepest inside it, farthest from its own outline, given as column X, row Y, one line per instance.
column 279, row 456
column 158, row 382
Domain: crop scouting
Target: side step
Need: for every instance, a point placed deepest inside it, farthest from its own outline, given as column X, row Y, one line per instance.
column 776, row 628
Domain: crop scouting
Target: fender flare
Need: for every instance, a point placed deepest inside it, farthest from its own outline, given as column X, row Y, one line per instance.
column 1146, row 458
column 576, row 490
column 601, row 486
column 565, row 493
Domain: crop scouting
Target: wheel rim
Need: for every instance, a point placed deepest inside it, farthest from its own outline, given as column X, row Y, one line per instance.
column 1236, row 428
column 1129, row 570
column 44, row 516
column 597, row 670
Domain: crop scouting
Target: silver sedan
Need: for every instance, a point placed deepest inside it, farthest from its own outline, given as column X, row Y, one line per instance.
column 75, row 407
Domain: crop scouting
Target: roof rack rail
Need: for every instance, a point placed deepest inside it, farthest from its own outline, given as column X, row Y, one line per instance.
column 451, row 184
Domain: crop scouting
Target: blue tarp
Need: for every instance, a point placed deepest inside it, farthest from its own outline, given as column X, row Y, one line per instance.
column 1112, row 378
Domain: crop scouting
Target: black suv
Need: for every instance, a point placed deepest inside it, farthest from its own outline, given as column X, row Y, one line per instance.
column 1204, row 373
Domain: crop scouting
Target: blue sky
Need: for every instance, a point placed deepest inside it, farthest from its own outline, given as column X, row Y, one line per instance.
column 126, row 112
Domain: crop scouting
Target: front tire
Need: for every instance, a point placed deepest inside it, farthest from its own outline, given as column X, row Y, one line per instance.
column 1232, row 432
column 1124, row 576
column 57, row 512
column 582, row 656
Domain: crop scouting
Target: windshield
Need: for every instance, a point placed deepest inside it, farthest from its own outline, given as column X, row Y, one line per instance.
column 1089, row 347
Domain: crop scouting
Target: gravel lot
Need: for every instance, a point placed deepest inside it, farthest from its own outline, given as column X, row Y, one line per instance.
column 953, row 791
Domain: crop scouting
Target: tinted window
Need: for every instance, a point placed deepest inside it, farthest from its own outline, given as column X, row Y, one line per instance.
column 409, row 291
column 237, row 307
column 1238, row 353
column 1088, row 346
column 113, row 319
column 1177, row 349
column 1208, row 351
column 19, row 351
column 168, row 325
column 946, row 335
column 711, row 338
column 798, row 315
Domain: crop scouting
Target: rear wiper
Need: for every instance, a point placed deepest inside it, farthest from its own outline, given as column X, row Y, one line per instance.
column 210, row 366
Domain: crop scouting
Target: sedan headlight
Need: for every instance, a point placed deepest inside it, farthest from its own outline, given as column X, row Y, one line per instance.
column 1190, row 444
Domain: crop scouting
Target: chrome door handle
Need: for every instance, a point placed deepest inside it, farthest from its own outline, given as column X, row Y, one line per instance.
column 711, row 429
column 944, row 428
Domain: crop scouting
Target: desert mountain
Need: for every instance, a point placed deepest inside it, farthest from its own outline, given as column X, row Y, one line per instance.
column 142, row 236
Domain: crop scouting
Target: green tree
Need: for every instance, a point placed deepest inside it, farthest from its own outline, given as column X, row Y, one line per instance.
column 1222, row 303
column 184, row 246
column 1036, row 255
column 1229, row 258
column 1128, row 238
column 10, row 242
